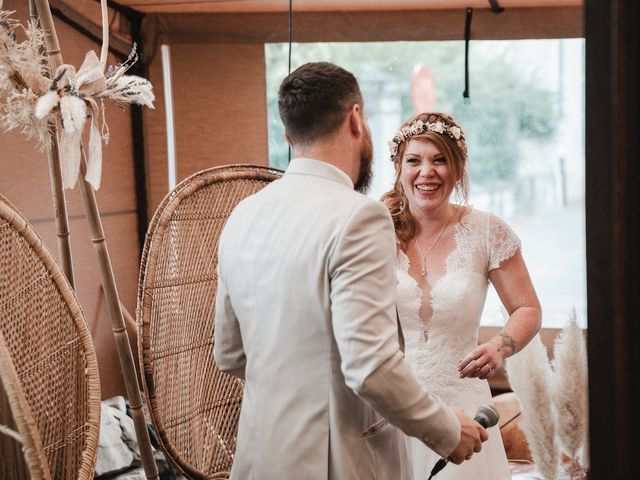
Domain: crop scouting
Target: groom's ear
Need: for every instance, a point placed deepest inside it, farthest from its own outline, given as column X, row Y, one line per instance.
column 355, row 120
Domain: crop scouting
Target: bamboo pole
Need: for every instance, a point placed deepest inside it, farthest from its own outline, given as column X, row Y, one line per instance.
column 63, row 235
column 118, row 326
column 106, row 273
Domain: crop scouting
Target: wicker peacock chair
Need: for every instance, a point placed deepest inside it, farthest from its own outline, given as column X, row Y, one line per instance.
column 49, row 385
column 194, row 406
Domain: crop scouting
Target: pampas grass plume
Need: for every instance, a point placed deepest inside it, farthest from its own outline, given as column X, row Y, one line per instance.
column 569, row 388
column 530, row 377
column 129, row 89
column 144, row 91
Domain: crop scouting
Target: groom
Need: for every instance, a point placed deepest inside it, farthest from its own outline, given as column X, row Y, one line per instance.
column 305, row 309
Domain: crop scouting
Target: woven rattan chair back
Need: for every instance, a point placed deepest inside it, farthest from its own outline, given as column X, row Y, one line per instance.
column 194, row 406
column 49, row 388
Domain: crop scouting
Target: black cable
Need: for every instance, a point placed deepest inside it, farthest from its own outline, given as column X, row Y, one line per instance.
column 467, row 37
column 440, row 464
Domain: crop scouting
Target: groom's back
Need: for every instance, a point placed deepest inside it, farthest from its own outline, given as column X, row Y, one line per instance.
column 275, row 256
column 277, row 247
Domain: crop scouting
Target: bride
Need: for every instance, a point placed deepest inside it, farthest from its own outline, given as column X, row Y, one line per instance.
column 447, row 254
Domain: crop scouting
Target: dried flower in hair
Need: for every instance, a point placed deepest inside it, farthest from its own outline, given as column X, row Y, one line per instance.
column 418, row 127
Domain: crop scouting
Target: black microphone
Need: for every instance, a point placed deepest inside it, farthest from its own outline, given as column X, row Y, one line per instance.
column 487, row 416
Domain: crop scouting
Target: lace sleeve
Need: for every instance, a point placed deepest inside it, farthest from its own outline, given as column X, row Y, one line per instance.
column 502, row 242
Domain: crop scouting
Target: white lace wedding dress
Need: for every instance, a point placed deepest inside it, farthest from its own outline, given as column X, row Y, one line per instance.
column 435, row 346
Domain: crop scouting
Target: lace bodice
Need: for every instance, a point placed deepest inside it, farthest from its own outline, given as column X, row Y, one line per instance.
column 435, row 346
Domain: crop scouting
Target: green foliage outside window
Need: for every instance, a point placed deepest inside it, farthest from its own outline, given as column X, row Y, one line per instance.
column 508, row 102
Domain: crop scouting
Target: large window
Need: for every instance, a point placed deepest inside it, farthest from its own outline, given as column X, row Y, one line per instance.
column 525, row 132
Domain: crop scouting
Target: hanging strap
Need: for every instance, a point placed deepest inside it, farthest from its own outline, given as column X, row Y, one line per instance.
column 467, row 37
column 495, row 6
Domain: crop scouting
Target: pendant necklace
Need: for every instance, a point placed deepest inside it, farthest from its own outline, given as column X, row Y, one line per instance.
column 424, row 255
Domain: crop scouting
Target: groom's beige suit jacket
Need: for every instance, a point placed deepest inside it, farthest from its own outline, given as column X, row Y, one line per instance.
column 305, row 314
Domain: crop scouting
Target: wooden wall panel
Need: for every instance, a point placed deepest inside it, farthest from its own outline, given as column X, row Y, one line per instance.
column 155, row 134
column 219, row 102
column 220, row 106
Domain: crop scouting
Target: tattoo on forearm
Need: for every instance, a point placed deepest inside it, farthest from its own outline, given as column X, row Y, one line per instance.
column 508, row 341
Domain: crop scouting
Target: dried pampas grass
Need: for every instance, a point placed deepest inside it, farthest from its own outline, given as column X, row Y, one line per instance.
column 554, row 401
column 530, row 377
column 32, row 98
column 14, row 116
column 130, row 89
column 22, row 79
column 570, row 388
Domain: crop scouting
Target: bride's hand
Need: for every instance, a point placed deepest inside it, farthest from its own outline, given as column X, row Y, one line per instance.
column 482, row 362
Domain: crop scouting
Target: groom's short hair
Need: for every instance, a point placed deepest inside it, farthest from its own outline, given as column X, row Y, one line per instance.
column 313, row 100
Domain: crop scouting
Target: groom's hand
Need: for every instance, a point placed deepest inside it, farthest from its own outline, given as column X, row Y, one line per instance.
column 471, row 437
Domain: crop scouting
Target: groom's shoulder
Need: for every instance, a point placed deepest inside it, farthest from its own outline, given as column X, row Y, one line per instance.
column 317, row 196
column 365, row 212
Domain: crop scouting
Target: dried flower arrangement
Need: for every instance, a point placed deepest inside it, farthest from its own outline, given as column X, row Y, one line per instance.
column 30, row 96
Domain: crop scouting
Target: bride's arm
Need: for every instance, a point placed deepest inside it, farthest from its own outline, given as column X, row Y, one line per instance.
column 513, row 285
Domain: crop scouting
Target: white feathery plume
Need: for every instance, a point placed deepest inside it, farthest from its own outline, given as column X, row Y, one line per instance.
column 569, row 388
column 129, row 89
column 46, row 103
column 530, row 377
column 74, row 113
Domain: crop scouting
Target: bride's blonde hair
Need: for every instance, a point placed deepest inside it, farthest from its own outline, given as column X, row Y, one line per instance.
column 454, row 151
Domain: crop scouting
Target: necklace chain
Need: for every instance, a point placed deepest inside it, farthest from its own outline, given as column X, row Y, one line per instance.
column 424, row 255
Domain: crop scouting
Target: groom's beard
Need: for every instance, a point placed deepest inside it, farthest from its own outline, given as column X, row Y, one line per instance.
column 366, row 158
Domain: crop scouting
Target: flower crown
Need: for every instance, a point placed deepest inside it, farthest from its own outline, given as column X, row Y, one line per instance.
column 418, row 127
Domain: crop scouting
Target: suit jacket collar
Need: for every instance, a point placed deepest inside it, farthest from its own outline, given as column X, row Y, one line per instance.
column 318, row 168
